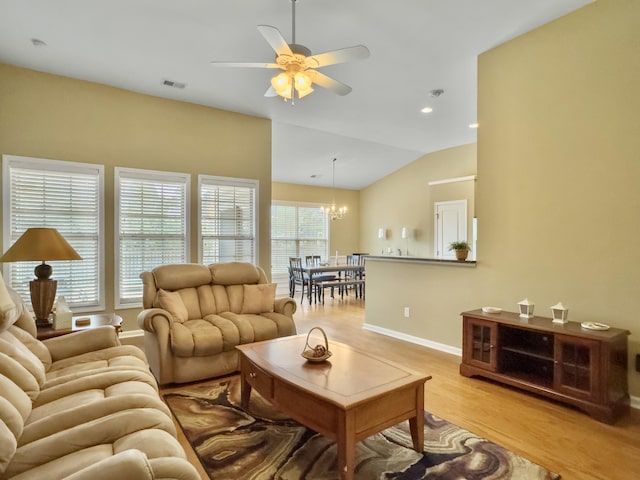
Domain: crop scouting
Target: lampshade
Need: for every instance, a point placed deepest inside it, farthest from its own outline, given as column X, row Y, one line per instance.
column 405, row 232
column 382, row 233
column 42, row 244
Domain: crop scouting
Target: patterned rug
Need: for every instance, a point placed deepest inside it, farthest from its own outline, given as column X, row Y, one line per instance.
column 262, row 444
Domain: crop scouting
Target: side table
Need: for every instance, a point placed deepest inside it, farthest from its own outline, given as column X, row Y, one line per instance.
column 94, row 321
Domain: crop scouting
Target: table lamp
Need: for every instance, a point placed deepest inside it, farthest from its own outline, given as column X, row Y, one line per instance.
column 42, row 244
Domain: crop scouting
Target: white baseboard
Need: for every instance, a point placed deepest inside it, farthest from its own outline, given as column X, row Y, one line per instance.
column 634, row 401
column 411, row 339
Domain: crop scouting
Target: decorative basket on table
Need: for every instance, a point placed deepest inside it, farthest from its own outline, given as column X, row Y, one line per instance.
column 319, row 353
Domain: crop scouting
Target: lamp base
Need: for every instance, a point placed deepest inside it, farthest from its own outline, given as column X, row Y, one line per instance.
column 43, row 294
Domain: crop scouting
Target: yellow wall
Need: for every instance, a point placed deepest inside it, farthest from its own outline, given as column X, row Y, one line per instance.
column 405, row 199
column 344, row 234
column 53, row 117
column 558, row 186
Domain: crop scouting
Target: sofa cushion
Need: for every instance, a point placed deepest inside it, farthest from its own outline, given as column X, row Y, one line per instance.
column 258, row 298
column 177, row 276
column 8, row 445
column 88, row 405
column 11, row 315
column 19, row 400
column 35, row 346
column 195, row 338
column 252, row 328
column 172, row 303
column 234, row 273
column 30, row 363
column 70, row 450
column 122, row 357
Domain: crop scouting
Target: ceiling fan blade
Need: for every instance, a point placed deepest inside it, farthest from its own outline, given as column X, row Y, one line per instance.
column 245, row 65
column 342, row 55
column 275, row 39
column 271, row 92
column 327, row 82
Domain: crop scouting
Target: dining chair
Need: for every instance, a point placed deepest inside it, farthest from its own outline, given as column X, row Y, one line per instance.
column 297, row 277
column 316, row 261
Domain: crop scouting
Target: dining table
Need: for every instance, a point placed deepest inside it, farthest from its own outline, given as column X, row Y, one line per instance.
column 356, row 278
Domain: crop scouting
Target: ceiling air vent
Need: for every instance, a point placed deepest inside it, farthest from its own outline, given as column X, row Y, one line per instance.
column 171, row 83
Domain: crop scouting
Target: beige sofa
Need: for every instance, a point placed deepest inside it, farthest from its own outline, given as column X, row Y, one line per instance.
column 195, row 315
column 81, row 406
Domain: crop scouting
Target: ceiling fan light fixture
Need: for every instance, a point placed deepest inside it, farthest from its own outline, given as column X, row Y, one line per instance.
column 281, row 82
column 302, row 81
column 298, row 64
column 284, row 82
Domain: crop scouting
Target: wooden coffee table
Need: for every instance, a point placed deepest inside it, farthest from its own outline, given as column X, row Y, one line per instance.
column 348, row 398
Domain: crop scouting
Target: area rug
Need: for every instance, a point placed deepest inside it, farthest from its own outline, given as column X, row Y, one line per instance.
column 263, row 444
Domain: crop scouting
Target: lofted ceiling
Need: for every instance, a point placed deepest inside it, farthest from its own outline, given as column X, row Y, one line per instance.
column 416, row 46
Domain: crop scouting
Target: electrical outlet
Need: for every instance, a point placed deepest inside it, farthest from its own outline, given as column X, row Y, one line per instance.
column 407, row 312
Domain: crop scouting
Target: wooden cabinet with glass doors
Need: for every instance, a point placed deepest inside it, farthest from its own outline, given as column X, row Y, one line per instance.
column 566, row 362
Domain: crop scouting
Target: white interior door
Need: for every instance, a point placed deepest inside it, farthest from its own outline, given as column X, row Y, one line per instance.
column 450, row 226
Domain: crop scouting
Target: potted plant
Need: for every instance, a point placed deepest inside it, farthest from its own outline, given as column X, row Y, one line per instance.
column 462, row 250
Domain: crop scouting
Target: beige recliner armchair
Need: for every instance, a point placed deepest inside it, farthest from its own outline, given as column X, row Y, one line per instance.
column 195, row 315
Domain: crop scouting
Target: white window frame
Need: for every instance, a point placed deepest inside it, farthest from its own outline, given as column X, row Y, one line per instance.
column 152, row 176
column 284, row 203
column 57, row 166
column 234, row 182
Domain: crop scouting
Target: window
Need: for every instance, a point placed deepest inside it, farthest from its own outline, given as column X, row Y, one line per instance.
column 228, row 219
column 152, row 225
column 67, row 196
column 297, row 230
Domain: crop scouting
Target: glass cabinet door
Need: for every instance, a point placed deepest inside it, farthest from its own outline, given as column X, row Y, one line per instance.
column 576, row 369
column 480, row 343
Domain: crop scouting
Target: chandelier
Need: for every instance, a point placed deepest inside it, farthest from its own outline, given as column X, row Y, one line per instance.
column 332, row 211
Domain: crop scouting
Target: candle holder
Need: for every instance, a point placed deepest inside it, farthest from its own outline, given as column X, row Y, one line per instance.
column 560, row 313
column 526, row 308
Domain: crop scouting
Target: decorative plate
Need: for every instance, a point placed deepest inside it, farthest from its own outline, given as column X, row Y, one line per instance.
column 491, row 309
column 595, row 326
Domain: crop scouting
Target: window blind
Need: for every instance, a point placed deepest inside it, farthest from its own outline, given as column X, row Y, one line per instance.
column 152, row 216
column 297, row 230
column 228, row 219
column 66, row 196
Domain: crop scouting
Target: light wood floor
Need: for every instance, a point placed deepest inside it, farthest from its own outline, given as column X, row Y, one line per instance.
column 555, row 436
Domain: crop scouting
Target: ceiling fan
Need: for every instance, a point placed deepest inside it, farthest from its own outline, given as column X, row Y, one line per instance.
column 298, row 65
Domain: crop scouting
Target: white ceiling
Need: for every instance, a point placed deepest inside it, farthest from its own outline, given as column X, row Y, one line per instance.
column 416, row 46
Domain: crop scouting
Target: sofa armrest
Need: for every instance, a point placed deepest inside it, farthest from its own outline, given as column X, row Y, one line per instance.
column 84, row 341
column 147, row 317
column 287, row 306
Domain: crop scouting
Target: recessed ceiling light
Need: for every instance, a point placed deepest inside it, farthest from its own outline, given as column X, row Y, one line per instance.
column 36, row 42
column 427, row 110
column 473, row 125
